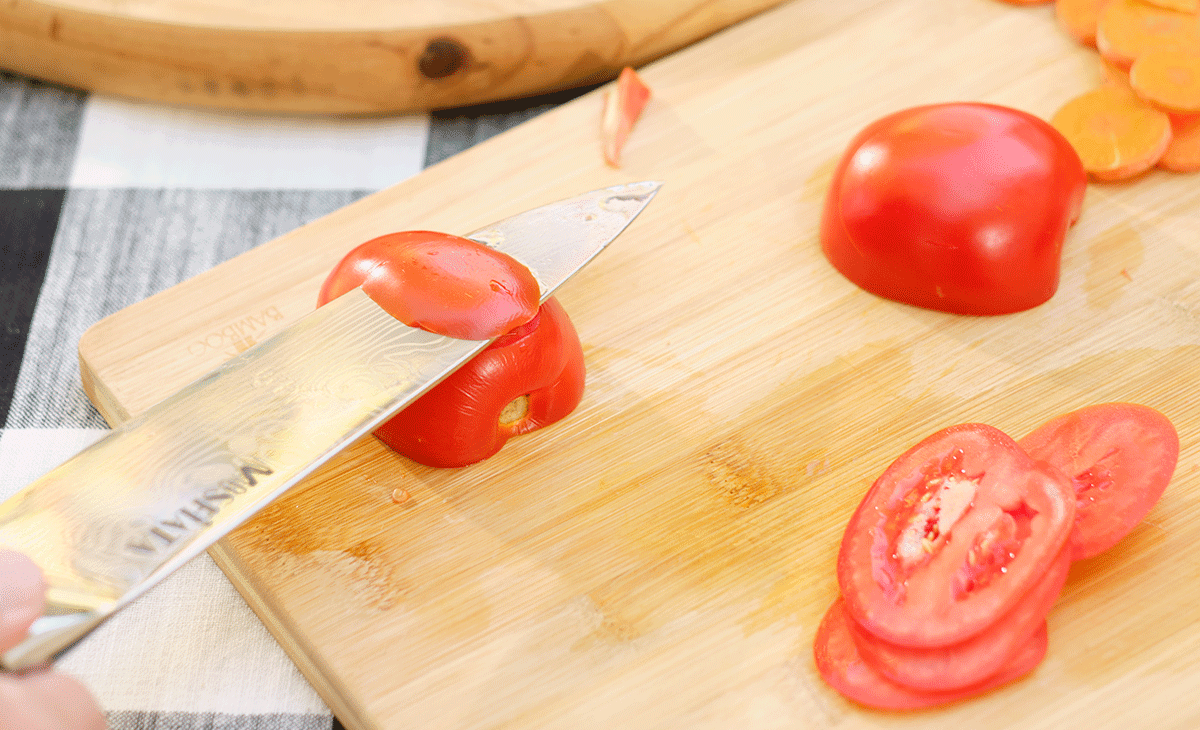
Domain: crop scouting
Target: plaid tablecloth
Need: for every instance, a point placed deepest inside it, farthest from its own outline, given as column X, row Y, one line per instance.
column 104, row 202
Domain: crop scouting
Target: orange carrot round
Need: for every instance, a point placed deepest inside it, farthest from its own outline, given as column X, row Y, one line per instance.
column 1080, row 18
column 1170, row 80
column 1183, row 154
column 1183, row 6
column 1116, row 134
column 1129, row 28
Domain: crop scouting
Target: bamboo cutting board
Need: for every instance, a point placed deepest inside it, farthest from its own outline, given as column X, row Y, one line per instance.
column 662, row 557
column 346, row 56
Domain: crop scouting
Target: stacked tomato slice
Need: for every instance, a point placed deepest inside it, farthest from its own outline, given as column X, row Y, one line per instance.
column 960, row 548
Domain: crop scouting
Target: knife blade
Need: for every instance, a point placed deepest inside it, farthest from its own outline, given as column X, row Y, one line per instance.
column 114, row 520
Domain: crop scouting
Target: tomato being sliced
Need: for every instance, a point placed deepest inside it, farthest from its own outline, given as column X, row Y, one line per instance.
column 1119, row 457
column 840, row 665
column 531, row 375
column 469, row 416
column 951, row 536
column 438, row 282
column 972, row 661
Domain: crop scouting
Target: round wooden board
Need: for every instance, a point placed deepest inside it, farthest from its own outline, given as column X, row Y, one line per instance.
column 346, row 56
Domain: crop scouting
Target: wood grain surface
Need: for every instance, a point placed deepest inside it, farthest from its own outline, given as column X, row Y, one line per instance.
column 346, row 56
column 661, row 559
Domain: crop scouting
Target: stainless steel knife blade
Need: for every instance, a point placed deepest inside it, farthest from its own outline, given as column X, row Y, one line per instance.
column 115, row 519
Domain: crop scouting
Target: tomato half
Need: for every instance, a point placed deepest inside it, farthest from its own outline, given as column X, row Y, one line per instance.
column 1119, row 457
column 445, row 284
column 841, row 666
column 469, row 416
column 951, row 536
column 530, row 376
column 972, row 661
column 958, row 207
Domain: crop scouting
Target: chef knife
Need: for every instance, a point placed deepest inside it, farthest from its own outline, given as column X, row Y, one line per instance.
column 124, row 513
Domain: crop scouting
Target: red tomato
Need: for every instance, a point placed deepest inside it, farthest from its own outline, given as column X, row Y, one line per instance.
column 957, row 207
column 951, row 536
column 445, row 284
column 529, row 377
column 972, row 661
column 1119, row 457
column 842, row 668
column 459, row 421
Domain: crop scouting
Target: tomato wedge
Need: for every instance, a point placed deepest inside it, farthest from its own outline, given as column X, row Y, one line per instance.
column 1119, row 457
column 972, row 661
column 840, row 665
column 951, row 536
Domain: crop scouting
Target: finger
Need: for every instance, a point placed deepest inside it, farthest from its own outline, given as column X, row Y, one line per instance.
column 47, row 701
column 22, row 596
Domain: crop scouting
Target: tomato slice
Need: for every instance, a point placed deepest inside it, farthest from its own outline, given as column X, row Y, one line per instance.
column 979, row 657
column 1119, row 457
column 951, row 536
column 841, row 667
column 623, row 105
column 438, row 282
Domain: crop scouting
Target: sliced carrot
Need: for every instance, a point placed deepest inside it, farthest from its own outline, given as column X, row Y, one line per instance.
column 1116, row 76
column 1183, row 154
column 1170, row 80
column 1028, row 2
column 1116, row 134
column 622, row 106
column 1184, row 6
column 1080, row 18
column 1129, row 28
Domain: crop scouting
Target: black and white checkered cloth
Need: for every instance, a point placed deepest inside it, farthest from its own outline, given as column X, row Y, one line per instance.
column 104, row 202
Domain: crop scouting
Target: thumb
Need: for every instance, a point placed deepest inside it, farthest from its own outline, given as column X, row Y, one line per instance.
column 22, row 597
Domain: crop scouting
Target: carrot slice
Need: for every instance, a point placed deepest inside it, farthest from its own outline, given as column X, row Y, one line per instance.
column 1170, row 80
column 622, row 106
column 1183, row 154
column 1116, row 134
column 1129, row 28
column 1184, row 6
column 1080, row 18
column 1116, row 76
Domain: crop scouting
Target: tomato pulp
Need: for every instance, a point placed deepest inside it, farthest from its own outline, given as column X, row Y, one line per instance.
column 957, row 207
column 951, row 536
column 531, row 375
column 1119, row 458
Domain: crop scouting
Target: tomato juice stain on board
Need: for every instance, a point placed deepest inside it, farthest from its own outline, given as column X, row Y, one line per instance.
column 1112, row 258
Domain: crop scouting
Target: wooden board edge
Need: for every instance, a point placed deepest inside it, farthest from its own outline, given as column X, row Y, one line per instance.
column 350, row 716
column 369, row 71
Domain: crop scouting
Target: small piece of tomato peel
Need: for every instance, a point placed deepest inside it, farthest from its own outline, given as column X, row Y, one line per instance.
column 623, row 105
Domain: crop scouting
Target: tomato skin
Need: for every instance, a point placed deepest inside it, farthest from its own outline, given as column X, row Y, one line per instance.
column 458, row 421
column 977, row 567
column 981, row 656
column 445, row 284
column 1120, row 458
column 459, row 288
column 842, row 668
column 959, row 207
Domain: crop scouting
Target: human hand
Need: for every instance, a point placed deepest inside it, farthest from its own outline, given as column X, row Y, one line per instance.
column 42, row 699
